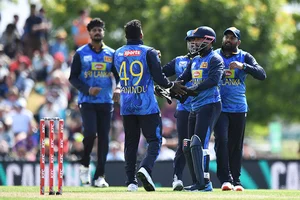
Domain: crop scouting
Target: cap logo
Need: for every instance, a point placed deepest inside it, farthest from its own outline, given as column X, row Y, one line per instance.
column 233, row 28
column 194, row 31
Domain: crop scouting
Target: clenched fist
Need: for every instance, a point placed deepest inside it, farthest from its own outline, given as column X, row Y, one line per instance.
column 94, row 91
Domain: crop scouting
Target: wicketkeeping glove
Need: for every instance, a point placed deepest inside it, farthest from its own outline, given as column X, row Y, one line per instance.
column 167, row 94
column 163, row 93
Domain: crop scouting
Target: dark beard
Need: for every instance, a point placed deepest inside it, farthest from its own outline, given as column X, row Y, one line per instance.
column 229, row 48
column 97, row 40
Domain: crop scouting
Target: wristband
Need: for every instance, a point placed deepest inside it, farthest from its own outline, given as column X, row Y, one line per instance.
column 244, row 66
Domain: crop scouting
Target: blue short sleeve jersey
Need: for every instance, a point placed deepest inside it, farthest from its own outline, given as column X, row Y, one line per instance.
column 137, row 85
column 96, row 71
column 200, row 71
column 233, row 87
column 181, row 62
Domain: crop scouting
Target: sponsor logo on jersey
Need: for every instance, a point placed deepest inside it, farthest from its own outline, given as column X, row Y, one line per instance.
column 182, row 63
column 87, row 58
column 229, row 73
column 132, row 53
column 107, row 59
column 197, row 73
column 204, row 65
column 99, row 66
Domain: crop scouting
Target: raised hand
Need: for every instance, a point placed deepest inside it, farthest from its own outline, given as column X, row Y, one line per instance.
column 178, row 88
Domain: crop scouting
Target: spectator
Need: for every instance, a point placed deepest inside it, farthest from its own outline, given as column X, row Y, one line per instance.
column 33, row 32
column 20, row 58
column 4, row 61
column 115, row 153
column 58, row 76
column 76, row 147
column 24, row 81
column 21, row 117
column 59, row 64
column 59, row 44
column 41, row 62
column 46, row 24
column 49, row 108
column 12, row 94
column 165, row 152
column 60, row 98
column 4, row 79
column 26, row 147
column 73, row 119
column 5, row 135
column 11, row 40
column 169, row 133
column 80, row 33
column 15, row 22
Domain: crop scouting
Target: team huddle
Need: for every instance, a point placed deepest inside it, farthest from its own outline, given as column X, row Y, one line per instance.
column 210, row 88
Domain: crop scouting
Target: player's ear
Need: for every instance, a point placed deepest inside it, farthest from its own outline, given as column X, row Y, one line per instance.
column 141, row 35
column 239, row 42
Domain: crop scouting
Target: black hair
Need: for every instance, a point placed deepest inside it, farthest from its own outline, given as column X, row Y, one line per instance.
column 96, row 22
column 82, row 11
column 10, row 28
column 133, row 29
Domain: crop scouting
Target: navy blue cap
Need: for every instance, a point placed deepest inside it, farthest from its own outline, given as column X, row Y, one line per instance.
column 236, row 32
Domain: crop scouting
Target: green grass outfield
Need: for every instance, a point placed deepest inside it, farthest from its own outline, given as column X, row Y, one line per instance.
column 24, row 192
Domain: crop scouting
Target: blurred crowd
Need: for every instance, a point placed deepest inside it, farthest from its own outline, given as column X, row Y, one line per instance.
column 35, row 62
